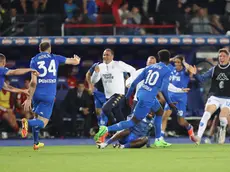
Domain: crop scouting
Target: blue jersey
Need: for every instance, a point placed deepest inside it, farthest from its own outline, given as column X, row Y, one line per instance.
column 99, row 84
column 180, row 78
column 156, row 77
column 3, row 71
column 47, row 65
column 143, row 128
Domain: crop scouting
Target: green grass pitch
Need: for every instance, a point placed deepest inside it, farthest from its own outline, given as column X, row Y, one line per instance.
column 178, row 158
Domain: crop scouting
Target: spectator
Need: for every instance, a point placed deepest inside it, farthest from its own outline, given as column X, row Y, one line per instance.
column 72, row 80
column 217, row 27
column 200, row 23
column 70, row 9
column 124, row 13
column 6, row 108
column 20, row 98
column 90, row 9
column 78, row 103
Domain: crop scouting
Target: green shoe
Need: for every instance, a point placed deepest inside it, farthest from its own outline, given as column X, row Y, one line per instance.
column 103, row 130
column 161, row 143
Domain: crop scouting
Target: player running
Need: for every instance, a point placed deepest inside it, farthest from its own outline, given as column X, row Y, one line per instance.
column 180, row 77
column 220, row 76
column 135, row 137
column 43, row 89
column 155, row 77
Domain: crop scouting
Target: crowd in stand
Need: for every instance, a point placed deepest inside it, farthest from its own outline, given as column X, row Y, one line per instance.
column 188, row 16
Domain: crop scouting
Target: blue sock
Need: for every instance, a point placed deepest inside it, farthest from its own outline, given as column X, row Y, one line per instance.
column 188, row 127
column 162, row 133
column 102, row 119
column 105, row 119
column 127, row 145
column 121, row 125
column 36, row 122
column 158, row 122
column 109, row 141
column 35, row 131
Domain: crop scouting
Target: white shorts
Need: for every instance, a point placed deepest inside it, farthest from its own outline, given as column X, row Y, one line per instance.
column 219, row 102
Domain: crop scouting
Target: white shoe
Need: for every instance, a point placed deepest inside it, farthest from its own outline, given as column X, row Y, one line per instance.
column 207, row 141
column 102, row 145
column 222, row 136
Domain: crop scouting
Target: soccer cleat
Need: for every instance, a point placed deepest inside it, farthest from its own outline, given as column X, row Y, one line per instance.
column 39, row 145
column 102, row 145
column 195, row 139
column 161, row 143
column 190, row 132
column 116, row 145
column 222, row 136
column 102, row 131
column 102, row 138
column 24, row 131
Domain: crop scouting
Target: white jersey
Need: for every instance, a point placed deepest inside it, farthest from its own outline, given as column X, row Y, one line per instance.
column 112, row 76
column 129, row 81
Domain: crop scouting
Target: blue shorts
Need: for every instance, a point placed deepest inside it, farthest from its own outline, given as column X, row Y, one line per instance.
column 43, row 105
column 143, row 107
column 181, row 100
column 128, row 139
column 99, row 99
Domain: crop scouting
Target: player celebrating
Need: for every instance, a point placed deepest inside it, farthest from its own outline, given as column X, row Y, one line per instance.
column 6, row 72
column 112, row 74
column 220, row 76
column 135, row 137
column 43, row 89
column 155, row 77
column 179, row 77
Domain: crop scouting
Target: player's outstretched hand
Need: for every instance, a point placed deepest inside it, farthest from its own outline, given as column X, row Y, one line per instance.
column 36, row 73
column 77, row 58
column 193, row 70
column 186, row 89
column 27, row 105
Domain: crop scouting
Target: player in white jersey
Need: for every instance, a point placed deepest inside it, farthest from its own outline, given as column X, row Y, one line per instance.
column 112, row 74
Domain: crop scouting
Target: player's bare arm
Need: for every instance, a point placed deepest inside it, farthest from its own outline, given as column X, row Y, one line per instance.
column 13, row 89
column 88, row 79
column 188, row 67
column 73, row 61
column 32, row 88
column 21, row 71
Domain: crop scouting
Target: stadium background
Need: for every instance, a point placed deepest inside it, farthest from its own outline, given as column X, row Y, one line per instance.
column 133, row 42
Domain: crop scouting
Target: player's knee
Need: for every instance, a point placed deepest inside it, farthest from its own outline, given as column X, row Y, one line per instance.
column 224, row 112
column 211, row 108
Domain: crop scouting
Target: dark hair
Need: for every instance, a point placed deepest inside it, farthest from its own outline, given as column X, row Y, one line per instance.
column 224, row 50
column 2, row 57
column 164, row 55
column 44, row 46
column 80, row 82
column 108, row 49
column 180, row 57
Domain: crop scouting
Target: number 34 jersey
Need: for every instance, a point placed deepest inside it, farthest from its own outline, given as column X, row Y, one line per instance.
column 155, row 77
column 47, row 65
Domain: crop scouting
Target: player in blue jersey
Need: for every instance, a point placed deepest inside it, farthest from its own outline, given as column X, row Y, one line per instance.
column 180, row 77
column 156, row 78
column 43, row 89
column 135, row 137
column 99, row 96
column 8, row 72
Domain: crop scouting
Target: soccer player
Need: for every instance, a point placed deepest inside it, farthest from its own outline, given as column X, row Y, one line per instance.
column 155, row 77
column 8, row 72
column 112, row 74
column 43, row 89
column 135, row 137
column 220, row 76
column 180, row 77
column 99, row 97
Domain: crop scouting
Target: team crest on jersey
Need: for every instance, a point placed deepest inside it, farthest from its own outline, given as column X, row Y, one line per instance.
column 222, row 77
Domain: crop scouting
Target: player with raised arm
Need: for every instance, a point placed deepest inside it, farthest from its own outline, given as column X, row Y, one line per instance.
column 180, row 77
column 43, row 89
column 156, row 77
column 112, row 74
column 220, row 77
column 8, row 72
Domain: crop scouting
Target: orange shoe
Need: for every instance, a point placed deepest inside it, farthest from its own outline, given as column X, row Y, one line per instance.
column 39, row 145
column 24, row 131
column 102, row 139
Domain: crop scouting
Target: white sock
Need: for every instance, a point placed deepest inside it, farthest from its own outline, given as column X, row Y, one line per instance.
column 223, row 122
column 203, row 123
